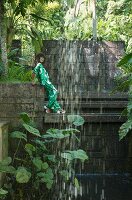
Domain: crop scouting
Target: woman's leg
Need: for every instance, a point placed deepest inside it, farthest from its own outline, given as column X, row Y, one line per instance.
column 52, row 103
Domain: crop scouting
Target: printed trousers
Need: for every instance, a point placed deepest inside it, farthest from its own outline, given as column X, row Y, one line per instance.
column 52, row 100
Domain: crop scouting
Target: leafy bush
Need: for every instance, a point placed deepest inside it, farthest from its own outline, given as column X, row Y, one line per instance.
column 47, row 157
column 16, row 71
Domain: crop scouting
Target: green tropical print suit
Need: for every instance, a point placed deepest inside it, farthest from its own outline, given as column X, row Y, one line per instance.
column 51, row 91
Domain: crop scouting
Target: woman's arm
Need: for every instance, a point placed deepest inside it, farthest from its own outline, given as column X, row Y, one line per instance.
column 33, row 78
column 35, row 74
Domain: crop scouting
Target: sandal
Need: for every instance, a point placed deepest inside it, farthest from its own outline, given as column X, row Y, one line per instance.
column 61, row 111
column 47, row 110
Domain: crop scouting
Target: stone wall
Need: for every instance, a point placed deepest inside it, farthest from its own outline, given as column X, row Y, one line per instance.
column 84, row 74
column 17, row 98
column 99, row 135
column 87, row 65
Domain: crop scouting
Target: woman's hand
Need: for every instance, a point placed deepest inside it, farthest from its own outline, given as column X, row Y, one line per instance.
column 33, row 79
column 43, row 90
column 33, row 83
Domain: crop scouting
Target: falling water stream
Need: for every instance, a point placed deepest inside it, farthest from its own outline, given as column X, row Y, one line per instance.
column 84, row 79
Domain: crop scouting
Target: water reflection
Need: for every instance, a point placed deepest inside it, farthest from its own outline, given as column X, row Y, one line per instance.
column 105, row 187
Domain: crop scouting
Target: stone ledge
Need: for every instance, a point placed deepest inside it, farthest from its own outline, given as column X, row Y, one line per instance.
column 92, row 117
column 94, row 104
column 89, row 95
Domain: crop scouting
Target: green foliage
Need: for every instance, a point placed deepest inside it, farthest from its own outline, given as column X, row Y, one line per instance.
column 1, row 68
column 5, row 166
column 31, row 129
column 22, row 175
column 125, row 128
column 19, row 135
column 3, row 193
column 29, row 148
column 116, row 21
column 6, row 161
column 17, row 73
column 76, row 120
column 76, row 183
column 35, row 21
column 25, row 117
column 46, row 156
column 113, row 22
column 126, row 65
column 71, row 155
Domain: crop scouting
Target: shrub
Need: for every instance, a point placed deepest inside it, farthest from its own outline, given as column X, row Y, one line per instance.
column 47, row 160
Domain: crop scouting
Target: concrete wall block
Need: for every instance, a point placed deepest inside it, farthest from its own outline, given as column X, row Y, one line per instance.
column 109, row 44
column 13, row 100
column 16, row 108
column 104, row 146
column 100, row 129
column 50, row 43
column 69, row 55
column 7, row 90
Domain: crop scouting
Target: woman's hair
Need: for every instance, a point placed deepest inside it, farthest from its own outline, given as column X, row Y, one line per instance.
column 39, row 55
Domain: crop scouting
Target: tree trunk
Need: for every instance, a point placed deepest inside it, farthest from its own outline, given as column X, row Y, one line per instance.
column 3, row 34
column 94, row 21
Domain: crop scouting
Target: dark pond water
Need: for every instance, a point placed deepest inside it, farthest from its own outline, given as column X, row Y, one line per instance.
column 105, row 187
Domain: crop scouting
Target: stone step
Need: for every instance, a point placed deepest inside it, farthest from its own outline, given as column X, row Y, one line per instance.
column 90, row 95
column 93, row 106
column 92, row 117
column 96, row 105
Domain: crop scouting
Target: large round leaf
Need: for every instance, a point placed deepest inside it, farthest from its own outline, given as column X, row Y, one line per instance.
column 71, row 155
column 30, row 149
column 31, row 129
column 79, row 154
column 76, row 120
column 7, row 169
column 45, row 165
column 3, row 192
column 19, row 135
column 22, row 175
column 127, row 59
column 6, row 161
column 25, row 117
column 38, row 163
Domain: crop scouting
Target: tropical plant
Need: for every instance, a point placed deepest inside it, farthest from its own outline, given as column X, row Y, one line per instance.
column 42, row 162
column 17, row 72
column 11, row 11
column 115, row 19
column 126, row 66
column 3, row 193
